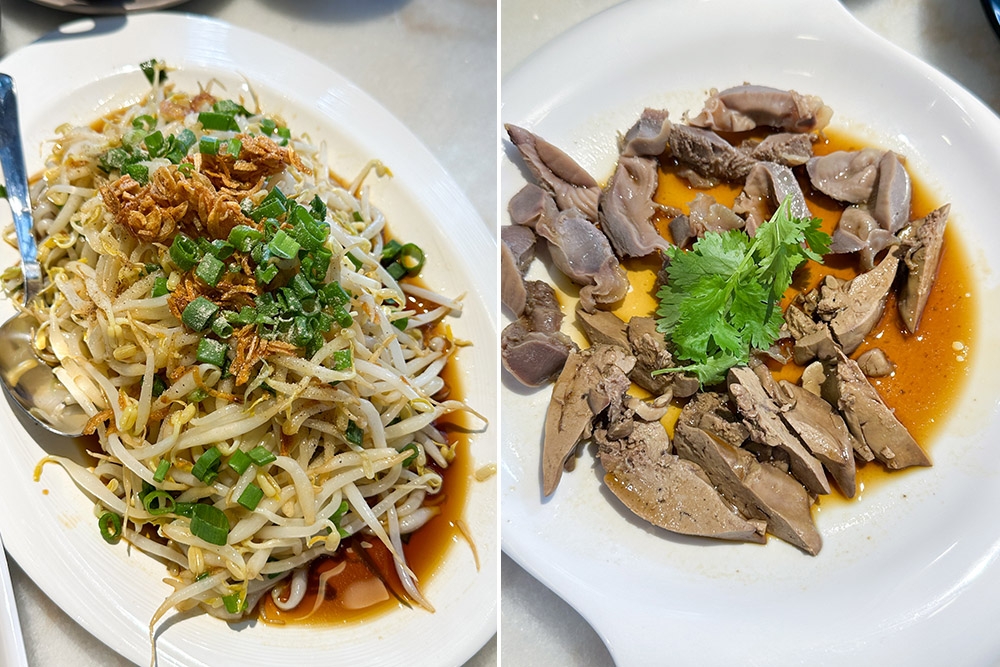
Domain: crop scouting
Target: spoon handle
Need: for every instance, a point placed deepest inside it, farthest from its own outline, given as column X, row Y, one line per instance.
column 16, row 181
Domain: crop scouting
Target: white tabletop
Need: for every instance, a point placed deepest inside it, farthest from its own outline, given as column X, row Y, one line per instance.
column 432, row 63
column 537, row 627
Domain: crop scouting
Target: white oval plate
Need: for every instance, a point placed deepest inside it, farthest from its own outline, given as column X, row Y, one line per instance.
column 49, row 528
column 908, row 573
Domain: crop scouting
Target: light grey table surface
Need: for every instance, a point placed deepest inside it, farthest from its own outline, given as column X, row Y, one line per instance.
column 537, row 627
column 431, row 63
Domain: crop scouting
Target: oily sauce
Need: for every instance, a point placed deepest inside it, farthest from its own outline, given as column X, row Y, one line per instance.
column 931, row 365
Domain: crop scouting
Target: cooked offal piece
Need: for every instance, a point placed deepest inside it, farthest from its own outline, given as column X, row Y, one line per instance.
column 747, row 107
column 787, row 148
column 591, row 381
column 767, row 185
column 666, row 490
column 893, row 192
column 581, row 251
column 626, row 208
column 922, row 248
column 517, row 250
column 857, row 231
column 531, row 204
column 869, row 419
column 762, row 416
column 704, row 215
column 556, row 171
column 758, row 490
column 708, row 155
column 875, row 363
column 649, row 136
column 847, row 176
column 532, row 348
column 854, row 308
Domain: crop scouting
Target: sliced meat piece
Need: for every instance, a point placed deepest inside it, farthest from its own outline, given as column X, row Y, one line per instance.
column 858, row 306
column 799, row 324
column 706, row 215
column 787, row 148
column 603, row 328
column 682, row 231
column 922, row 257
column 557, row 172
column 847, row 176
column 533, row 357
column 891, row 202
column 531, row 204
column 767, row 185
column 857, row 231
column 869, row 419
column 626, row 209
column 651, row 354
column 590, row 382
column 708, row 154
column 649, row 136
column 816, row 344
column 581, row 251
column 758, row 491
column 512, row 291
column 709, row 411
column 744, row 108
column 532, row 348
column 521, row 243
column 875, row 363
column 823, row 432
column 668, row 491
column 762, row 416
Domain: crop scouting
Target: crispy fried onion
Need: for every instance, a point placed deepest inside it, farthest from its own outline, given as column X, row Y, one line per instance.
column 259, row 158
column 232, row 292
column 172, row 202
column 250, row 349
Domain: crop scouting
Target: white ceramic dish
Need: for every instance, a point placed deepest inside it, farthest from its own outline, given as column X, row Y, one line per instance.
column 90, row 68
column 98, row 7
column 908, row 573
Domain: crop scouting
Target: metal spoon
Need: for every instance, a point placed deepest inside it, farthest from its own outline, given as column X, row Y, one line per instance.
column 25, row 377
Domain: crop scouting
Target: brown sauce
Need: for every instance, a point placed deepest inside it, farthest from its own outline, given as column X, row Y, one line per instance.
column 931, row 365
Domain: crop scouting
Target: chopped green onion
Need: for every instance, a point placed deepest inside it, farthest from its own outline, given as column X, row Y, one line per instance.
column 199, row 313
column 184, row 252
column 242, row 237
column 412, row 457
column 158, row 502
column 390, row 251
column 159, row 385
column 233, row 147
column 411, row 257
column 317, row 207
column 396, row 270
column 233, row 603
column 401, row 322
column 250, row 497
column 334, row 293
column 221, row 326
column 209, row 523
column 161, row 470
column 209, row 145
column 211, row 120
column 358, row 263
column 267, row 126
column 185, row 168
column 139, row 172
column 266, row 273
column 111, row 527
column 284, row 246
column 154, row 143
column 211, row 351
column 159, row 286
column 210, row 269
column 261, row 455
column 207, row 466
column 179, row 144
column 230, row 108
column 222, row 249
column 150, row 68
column 338, row 516
column 300, row 285
column 354, row 434
column 144, row 122
column 240, row 461
column 358, row 217
column 342, row 360
column 342, row 317
column 197, row 395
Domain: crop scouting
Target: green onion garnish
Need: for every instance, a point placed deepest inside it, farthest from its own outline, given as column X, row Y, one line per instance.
column 210, row 269
column 354, row 434
column 239, row 461
column 211, row 120
column 209, row 523
column 211, row 351
column 250, row 497
column 111, row 527
column 199, row 313
column 342, row 360
column 412, row 457
column 159, row 287
column 158, row 502
column 261, row 455
column 184, row 252
column 161, row 470
column 207, row 466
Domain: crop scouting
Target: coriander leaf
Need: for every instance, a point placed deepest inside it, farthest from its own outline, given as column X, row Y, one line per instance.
column 719, row 302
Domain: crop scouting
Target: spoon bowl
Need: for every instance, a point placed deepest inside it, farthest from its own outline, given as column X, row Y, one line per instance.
column 28, row 379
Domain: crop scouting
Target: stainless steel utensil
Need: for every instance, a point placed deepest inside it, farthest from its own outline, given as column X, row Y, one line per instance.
column 26, row 378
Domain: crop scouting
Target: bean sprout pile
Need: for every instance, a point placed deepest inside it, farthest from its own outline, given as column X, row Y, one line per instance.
column 236, row 324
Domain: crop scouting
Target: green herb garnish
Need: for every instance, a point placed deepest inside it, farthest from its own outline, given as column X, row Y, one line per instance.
column 719, row 301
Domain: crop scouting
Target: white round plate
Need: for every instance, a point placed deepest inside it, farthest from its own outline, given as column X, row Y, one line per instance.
column 90, row 68
column 908, row 573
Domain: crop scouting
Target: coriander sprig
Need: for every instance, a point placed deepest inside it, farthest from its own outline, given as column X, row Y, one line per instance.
column 719, row 301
